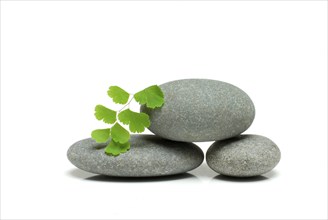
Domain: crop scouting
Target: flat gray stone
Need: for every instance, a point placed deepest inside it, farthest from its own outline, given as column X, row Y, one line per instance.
column 148, row 156
column 201, row 110
column 243, row 156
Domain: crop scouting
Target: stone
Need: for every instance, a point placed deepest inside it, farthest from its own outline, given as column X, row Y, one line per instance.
column 201, row 110
column 243, row 156
column 148, row 156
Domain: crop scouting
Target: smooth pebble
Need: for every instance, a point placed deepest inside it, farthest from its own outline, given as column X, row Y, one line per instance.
column 201, row 110
column 243, row 156
column 148, row 156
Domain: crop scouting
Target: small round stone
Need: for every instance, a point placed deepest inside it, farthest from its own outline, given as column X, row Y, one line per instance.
column 148, row 156
column 201, row 110
column 243, row 156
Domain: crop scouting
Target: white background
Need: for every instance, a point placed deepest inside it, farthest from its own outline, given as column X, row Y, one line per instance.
column 59, row 58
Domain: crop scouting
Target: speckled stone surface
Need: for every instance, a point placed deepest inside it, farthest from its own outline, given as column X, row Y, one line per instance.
column 243, row 156
column 201, row 110
column 148, row 156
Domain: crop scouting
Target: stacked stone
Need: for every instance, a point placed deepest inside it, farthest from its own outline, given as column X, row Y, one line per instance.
column 195, row 110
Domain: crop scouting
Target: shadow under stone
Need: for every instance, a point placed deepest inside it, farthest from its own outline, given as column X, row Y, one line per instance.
column 240, row 179
column 104, row 178
column 80, row 174
column 204, row 171
column 266, row 176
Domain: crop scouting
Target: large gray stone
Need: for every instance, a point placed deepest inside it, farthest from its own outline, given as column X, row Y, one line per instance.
column 201, row 110
column 148, row 156
column 243, row 156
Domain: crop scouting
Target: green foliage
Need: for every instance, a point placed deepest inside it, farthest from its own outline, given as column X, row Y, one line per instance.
column 101, row 135
column 119, row 96
column 152, row 97
column 105, row 114
column 137, row 121
column 115, row 148
column 117, row 135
